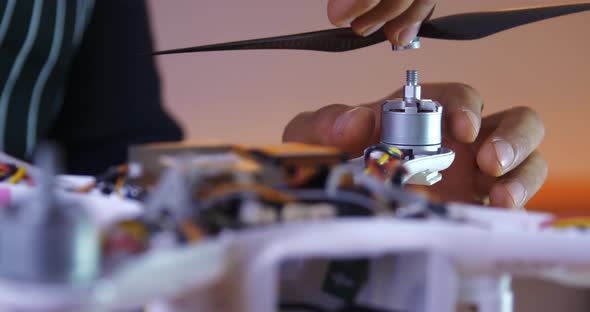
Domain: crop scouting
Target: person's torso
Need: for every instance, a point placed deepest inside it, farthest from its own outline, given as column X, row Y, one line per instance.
column 38, row 40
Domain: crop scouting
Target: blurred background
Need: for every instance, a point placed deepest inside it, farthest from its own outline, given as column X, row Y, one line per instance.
column 248, row 97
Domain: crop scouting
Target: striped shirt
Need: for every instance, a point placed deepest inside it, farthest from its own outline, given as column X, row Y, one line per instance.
column 37, row 42
column 74, row 72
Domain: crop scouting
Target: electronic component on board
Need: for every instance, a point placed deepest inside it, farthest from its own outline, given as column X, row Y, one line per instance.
column 47, row 239
column 48, row 244
column 301, row 165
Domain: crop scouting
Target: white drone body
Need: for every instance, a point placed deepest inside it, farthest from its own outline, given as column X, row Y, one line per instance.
column 416, row 265
column 422, row 265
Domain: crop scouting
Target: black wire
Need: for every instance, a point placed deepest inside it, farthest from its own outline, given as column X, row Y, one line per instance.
column 357, row 203
column 110, row 175
column 438, row 209
column 398, row 177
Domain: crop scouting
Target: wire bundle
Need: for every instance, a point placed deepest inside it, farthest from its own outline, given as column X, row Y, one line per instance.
column 128, row 237
column 113, row 173
column 387, row 166
column 115, row 179
column 13, row 174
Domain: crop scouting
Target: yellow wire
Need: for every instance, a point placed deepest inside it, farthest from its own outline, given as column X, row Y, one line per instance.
column 136, row 229
column 18, row 175
column 571, row 222
column 383, row 159
column 87, row 188
column 192, row 232
column 264, row 190
column 396, row 150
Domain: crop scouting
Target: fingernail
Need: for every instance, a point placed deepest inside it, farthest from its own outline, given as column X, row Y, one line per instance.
column 372, row 29
column 342, row 121
column 504, row 153
column 517, row 192
column 344, row 23
column 408, row 34
column 475, row 121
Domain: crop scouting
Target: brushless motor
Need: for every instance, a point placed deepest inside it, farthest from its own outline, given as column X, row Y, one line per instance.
column 412, row 124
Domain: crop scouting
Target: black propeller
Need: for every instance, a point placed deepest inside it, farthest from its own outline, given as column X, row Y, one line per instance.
column 466, row 26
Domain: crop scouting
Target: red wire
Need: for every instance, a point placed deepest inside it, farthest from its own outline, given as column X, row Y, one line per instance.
column 123, row 243
column 375, row 168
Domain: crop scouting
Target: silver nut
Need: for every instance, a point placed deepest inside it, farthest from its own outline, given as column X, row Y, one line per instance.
column 412, row 92
column 415, row 44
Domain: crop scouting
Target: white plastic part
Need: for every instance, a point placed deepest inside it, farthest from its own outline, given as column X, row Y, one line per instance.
column 411, row 281
column 172, row 194
column 165, row 273
column 134, row 170
column 41, row 298
column 239, row 272
column 569, row 276
column 68, row 181
column 487, row 293
column 104, row 210
column 377, row 237
column 424, row 169
column 5, row 158
column 474, row 249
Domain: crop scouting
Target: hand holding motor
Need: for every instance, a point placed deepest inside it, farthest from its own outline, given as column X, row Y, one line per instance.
column 496, row 156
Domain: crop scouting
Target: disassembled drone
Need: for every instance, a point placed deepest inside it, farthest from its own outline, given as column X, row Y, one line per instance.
column 293, row 227
column 289, row 227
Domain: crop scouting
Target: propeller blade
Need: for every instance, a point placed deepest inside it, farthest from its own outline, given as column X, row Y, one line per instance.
column 331, row 40
column 470, row 26
column 466, row 26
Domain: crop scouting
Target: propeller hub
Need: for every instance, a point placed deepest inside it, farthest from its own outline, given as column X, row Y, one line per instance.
column 415, row 44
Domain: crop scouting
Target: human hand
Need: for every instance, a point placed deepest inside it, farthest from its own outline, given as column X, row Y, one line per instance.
column 400, row 19
column 496, row 157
